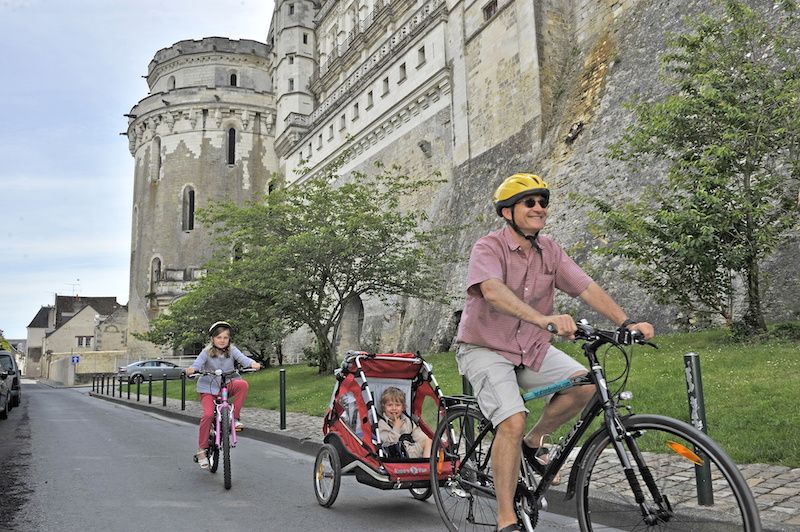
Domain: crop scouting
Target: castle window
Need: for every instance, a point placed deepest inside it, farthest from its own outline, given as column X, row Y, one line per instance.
column 291, row 9
column 233, row 80
column 342, row 123
column 171, row 83
column 385, row 86
column 369, row 99
column 155, row 158
column 421, row 57
column 355, row 110
column 291, row 84
column 305, row 38
column 489, row 10
column 231, row 146
column 319, row 141
column 402, row 74
column 187, row 210
column 291, row 59
column 330, row 132
column 155, row 277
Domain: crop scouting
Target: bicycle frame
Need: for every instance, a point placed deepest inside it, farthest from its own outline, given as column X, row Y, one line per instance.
column 220, row 403
column 603, row 403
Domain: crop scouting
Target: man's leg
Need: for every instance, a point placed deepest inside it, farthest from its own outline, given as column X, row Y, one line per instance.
column 494, row 381
column 505, row 463
column 562, row 407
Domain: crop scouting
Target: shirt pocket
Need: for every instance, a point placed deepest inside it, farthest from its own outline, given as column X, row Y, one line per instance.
column 544, row 286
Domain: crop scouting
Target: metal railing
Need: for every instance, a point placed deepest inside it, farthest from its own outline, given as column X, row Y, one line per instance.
column 111, row 384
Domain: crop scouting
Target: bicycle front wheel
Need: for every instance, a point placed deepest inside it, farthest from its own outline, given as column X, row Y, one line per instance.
column 461, row 470
column 687, row 482
column 225, row 441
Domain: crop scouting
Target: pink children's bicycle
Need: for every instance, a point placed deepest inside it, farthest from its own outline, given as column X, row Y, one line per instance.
column 223, row 431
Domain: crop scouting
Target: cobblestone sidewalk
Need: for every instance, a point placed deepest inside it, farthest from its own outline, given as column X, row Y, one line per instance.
column 776, row 488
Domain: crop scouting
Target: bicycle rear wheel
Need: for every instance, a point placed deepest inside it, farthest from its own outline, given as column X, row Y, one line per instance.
column 225, row 441
column 461, row 470
column 668, row 449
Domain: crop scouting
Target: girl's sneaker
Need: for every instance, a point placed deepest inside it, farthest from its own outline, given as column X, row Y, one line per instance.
column 238, row 425
column 201, row 457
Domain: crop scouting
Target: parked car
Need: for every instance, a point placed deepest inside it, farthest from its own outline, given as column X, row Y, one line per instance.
column 9, row 363
column 5, row 395
column 142, row 370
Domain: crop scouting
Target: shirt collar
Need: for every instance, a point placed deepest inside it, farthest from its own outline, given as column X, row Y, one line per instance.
column 509, row 235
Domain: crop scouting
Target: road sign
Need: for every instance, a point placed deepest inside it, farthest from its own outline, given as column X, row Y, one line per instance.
column 76, row 359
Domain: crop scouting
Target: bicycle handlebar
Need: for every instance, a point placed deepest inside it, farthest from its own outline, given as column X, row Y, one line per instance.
column 220, row 373
column 618, row 336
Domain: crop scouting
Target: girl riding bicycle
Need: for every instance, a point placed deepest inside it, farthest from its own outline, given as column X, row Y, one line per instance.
column 220, row 354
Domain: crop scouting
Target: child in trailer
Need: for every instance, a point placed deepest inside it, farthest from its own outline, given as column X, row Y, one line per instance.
column 398, row 431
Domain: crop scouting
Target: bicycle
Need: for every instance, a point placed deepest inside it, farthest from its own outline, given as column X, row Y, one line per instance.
column 622, row 476
column 223, row 430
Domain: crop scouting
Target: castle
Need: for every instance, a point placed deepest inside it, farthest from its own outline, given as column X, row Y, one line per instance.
column 474, row 90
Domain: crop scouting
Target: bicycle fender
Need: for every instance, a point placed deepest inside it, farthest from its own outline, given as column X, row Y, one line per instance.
column 580, row 460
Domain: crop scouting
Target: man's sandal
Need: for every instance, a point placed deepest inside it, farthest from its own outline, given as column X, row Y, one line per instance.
column 510, row 528
column 538, row 458
column 201, row 457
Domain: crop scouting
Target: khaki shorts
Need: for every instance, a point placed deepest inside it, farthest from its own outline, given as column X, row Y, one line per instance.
column 496, row 381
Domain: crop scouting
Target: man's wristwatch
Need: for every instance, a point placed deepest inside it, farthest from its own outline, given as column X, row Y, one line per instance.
column 627, row 322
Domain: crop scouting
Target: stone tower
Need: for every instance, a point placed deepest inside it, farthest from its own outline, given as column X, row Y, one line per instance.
column 204, row 133
column 293, row 40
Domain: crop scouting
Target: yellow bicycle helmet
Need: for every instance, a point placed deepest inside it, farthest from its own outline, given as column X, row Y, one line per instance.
column 516, row 187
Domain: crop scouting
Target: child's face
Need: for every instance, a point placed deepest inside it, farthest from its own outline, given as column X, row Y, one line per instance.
column 222, row 340
column 392, row 408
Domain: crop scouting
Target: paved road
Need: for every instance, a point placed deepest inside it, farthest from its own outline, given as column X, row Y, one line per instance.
column 72, row 462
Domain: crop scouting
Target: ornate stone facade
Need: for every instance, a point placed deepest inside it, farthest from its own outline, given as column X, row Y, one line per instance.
column 471, row 90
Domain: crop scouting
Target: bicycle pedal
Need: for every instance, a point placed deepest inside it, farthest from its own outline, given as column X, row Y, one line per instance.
column 543, row 504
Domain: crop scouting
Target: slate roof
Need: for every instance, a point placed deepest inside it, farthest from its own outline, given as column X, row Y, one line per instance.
column 40, row 320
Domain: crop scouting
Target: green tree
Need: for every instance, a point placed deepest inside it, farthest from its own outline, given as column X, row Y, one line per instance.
column 308, row 249
column 218, row 297
column 729, row 135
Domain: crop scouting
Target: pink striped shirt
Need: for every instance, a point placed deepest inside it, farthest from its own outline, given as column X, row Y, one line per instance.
column 533, row 278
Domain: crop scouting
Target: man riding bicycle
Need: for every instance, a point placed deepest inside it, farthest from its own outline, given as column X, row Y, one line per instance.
column 503, row 340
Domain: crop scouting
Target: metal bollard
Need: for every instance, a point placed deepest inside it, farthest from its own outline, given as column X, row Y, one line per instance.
column 102, row 382
column 138, row 388
column 164, row 391
column 119, row 380
column 697, row 413
column 183, row 391
column 150, row 389
column 94, row 379
column 282, row 374
column 129, row 390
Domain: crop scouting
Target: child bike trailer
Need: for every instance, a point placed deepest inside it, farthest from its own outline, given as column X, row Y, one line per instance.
column 352, row 443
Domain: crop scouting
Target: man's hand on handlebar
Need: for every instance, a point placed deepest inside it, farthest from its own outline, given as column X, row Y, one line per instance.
column 562, row 325
column 646, row 329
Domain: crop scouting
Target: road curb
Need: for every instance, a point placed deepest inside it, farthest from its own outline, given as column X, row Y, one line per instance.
column 289, row 441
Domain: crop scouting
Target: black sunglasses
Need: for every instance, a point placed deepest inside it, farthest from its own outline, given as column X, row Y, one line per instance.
column 530, row 202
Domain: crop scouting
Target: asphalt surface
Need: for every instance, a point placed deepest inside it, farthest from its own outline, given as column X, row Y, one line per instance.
column 776, row 488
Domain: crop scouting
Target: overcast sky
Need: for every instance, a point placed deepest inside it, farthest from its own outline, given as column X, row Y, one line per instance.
column 69, row 70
